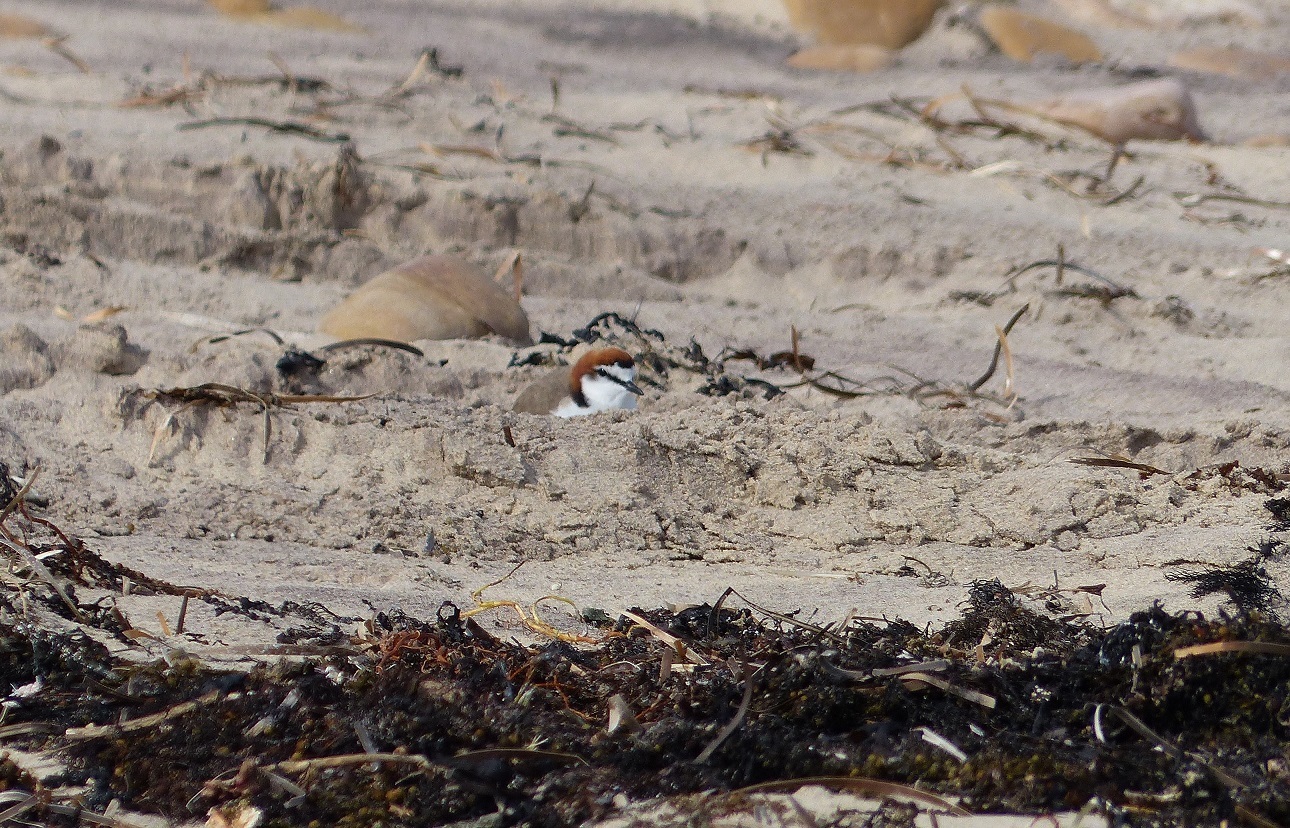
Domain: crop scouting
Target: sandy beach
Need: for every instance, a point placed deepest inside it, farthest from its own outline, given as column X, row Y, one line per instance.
column 207, row 175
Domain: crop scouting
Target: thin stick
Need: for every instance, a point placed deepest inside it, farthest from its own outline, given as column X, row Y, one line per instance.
column 17, row 498
column 667, row 638
column 876, row 788
column 734, row 723
column 1258, row 647
column 144, row 722
column 998, row 348
column 183, row 614
column 298, row 765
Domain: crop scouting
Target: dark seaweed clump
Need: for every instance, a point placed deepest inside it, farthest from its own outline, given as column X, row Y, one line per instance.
column 519, row 731
column 1048, row 713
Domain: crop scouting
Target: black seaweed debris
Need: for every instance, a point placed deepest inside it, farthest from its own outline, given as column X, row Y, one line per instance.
column 656, row 357
column 1280, row 509
column 413, row 722
column 1246, row 583
column 473, row 725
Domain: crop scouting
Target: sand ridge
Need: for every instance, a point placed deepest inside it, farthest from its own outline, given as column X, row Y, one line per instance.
column 683, row 177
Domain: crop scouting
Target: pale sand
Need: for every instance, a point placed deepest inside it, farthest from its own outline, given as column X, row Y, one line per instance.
column 803, row 502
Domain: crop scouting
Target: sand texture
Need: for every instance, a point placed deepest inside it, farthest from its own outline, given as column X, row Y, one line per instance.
column 661, row 161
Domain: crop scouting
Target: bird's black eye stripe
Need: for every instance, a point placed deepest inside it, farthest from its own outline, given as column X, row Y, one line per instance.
column 604, row 372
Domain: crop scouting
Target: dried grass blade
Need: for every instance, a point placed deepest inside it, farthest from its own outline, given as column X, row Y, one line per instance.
column 27, row 729
column 1177, row 753
column 1116, row 461
column 667, row 638
column 1256, row 647
column 104, row 313
column 953, row 689
column 55, row 45
column 462, row 149
column 299, row 765
column 522, row 754
column 143, row 722
column 734, row 723
column 45, row 575
column 875, row 788
column 25, row 804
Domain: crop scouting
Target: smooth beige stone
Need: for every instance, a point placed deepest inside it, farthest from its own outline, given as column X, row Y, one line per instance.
column 1267, row 140
column 888, row 23
column 1160, row 110
column 433, row 297
column 1232, row 61
column 858, row 57
column 240, row 7
column 307, row 17
column 16, row 26
column 1022, row 36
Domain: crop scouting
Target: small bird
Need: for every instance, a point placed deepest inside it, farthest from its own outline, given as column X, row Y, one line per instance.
column 601, row 380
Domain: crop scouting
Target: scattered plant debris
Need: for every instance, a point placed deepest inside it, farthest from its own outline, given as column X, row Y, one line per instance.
column 220, row 395
column 658, row 358
column 1119, row 461
column 1280, row 509
column 416, row 722
column 1246, row 583
column 293, row 127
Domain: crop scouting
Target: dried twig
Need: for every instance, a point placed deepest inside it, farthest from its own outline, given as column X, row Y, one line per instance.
column 1255, row 647
column 145, row 722
column 293, row 127
column 1116, row 461
column 875, row 788
column 998, row 349
column 680, row 647
column 735, row 722
column 214, row 393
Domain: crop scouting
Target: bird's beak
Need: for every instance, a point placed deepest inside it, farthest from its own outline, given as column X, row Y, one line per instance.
column 632, row 387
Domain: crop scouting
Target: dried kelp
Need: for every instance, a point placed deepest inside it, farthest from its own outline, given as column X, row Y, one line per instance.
column 220, row 395
column 656, row 357
column 1246, row 583
column 439, row 721
column 414, row 722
